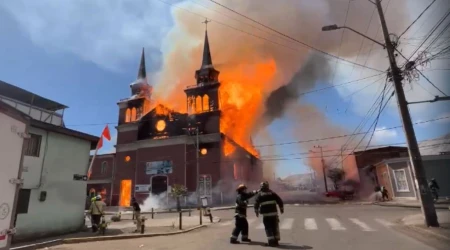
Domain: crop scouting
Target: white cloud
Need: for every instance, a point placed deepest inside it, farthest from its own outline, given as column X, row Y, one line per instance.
column 107, row 33
column 383, row 136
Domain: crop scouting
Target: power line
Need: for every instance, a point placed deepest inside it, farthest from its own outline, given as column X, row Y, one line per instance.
column 416, row 19
column 346, row 135
column 304, row 93
column 293, row 39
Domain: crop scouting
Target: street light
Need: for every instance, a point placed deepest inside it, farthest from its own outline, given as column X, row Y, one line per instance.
column 336, row 27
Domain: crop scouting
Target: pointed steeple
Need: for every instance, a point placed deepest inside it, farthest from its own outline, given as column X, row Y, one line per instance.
column 206, row 74
column 142, row 73
column 207, row 61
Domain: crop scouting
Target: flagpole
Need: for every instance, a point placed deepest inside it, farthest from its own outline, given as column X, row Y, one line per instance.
column 93, row 158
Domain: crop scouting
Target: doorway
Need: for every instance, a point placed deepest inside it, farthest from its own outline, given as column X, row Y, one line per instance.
column 159, row 184
column 125, row 193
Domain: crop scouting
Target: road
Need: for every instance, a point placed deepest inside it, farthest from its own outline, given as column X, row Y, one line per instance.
column 320, row 227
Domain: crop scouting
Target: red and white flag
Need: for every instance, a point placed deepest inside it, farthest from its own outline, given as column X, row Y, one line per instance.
column 106, row 133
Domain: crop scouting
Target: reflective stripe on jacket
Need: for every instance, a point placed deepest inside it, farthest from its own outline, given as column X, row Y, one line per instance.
column 266, row 203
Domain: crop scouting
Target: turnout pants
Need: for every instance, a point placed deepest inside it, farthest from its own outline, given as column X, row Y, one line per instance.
column 95, row 220
column 241, row 227
column 271, row 224
column 137, row 217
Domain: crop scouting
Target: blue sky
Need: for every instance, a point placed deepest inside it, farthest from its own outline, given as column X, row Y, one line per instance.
column 91, row 71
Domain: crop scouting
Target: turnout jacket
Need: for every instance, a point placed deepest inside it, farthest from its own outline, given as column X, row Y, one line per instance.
column 266, row 203
column 242, row 203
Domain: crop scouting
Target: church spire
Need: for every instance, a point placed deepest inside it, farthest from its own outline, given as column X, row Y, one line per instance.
column 207, row 61
column 142, row 73
column 206, row 74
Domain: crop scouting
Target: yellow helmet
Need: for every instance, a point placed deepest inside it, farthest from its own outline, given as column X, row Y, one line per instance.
column 241, row 187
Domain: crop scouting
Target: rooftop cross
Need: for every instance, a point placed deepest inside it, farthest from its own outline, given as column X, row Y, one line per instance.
column 206, row 23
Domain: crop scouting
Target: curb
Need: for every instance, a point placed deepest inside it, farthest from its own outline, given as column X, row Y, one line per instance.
column 406, row 206
column 426, row 231
column 102, row 238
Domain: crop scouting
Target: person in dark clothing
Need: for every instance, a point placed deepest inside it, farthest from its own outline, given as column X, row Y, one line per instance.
column 136, row 213
column 434, row 188
column 241, row 223
column 384, row 193
column 266, row 204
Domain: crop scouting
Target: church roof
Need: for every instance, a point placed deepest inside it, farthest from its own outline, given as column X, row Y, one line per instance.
column 142, row 73
column 207, row 60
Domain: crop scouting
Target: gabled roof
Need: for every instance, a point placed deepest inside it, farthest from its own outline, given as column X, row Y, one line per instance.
column 16, row 93
column 393, row 148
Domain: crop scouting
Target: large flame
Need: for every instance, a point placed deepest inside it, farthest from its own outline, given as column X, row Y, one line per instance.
column 241, row 100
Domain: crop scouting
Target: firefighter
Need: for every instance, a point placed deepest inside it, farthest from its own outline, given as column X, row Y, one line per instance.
column 241, row 223
column 96, row 210
column 266, row 204
column 136, row 213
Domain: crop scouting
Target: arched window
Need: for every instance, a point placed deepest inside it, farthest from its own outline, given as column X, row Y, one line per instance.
column 104, row 167
column 205, row 103
column 198, row 104
column 133, row 114
column 128, row 115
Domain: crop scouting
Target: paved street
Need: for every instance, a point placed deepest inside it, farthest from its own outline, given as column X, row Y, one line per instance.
column 322, row 227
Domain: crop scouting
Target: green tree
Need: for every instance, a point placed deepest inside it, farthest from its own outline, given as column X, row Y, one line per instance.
column 178, row 191
column 336, row 175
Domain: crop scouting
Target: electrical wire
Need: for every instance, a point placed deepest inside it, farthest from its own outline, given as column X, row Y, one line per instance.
column 416, row 19
column 293, row 39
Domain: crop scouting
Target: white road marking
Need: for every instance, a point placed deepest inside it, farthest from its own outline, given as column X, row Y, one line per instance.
column 250, row 221
column 310, row 224
column 335, row 224
column 361, row 224
column 287, row 224
column 260, row 226
column 384, row 222
column 296, row 204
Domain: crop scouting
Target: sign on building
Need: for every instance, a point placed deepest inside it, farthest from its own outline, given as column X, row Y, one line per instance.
column 158, row 167
column 141, row 188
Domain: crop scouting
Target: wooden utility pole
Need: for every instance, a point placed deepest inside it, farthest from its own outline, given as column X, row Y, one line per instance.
column 427, row 204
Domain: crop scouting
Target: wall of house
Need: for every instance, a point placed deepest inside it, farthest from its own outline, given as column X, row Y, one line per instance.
column 440, row 170
column 383, row 178
column 397, row 193
column 62, row 211
column 32, row 165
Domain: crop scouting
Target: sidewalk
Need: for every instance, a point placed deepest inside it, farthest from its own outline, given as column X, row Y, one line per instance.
column 441, row 204
column 417, row 223
column 123, row 229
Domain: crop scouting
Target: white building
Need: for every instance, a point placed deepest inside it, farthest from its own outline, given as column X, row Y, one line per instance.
column 50, row 201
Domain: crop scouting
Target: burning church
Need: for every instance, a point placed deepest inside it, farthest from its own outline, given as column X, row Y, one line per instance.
column 158, row 147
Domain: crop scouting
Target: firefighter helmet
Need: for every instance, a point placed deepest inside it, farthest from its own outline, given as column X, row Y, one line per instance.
column 264, row 185
column 241, row 187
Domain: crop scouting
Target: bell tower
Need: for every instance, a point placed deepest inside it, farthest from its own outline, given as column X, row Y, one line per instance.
column 204, row 96
column 136, row 106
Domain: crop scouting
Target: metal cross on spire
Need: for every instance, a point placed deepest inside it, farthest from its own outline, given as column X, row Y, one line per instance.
column 206, row 23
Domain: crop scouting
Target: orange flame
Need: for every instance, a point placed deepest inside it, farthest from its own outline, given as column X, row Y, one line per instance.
column 242, row 100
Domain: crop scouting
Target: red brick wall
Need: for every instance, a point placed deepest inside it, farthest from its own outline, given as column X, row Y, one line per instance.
column 384, row 181
column 123, row 171
column 376, row 156
column 97, row 167
column 127, row 136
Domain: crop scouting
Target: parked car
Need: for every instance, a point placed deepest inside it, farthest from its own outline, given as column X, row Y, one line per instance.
column 344, row 193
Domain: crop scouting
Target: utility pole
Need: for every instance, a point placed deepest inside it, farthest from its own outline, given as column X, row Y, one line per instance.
column 197, row 147
column 427, row 205
column 323, row 168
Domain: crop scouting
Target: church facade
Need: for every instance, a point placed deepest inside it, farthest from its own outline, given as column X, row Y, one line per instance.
column 158, row 148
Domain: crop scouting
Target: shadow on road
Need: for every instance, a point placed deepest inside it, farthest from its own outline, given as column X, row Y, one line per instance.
column 281, row 246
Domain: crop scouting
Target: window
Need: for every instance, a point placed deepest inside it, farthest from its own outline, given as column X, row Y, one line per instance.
column 205, row 103
column 128, row 115
column 400, row 180
column 133, row 114
column 104, row 167
column 198, row 104
column 33, row 145
column 23, row 201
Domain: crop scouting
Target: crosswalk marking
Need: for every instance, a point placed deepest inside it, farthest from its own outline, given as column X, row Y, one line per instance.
column 287, row 224
column 250, row 221
column 226, row 223
column 310, row 224
column 361, row 224
column 335, row 224
column 384, row 222
column 260, row 226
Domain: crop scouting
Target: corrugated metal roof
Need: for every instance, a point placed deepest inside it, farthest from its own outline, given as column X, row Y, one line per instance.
column 16, row 93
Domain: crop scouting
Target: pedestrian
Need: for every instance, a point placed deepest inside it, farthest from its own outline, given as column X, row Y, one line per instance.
column 241, row 223
column 136, row 213
column 384, row 194
column 434, row 187
column 96, row 210
column 266, row 204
